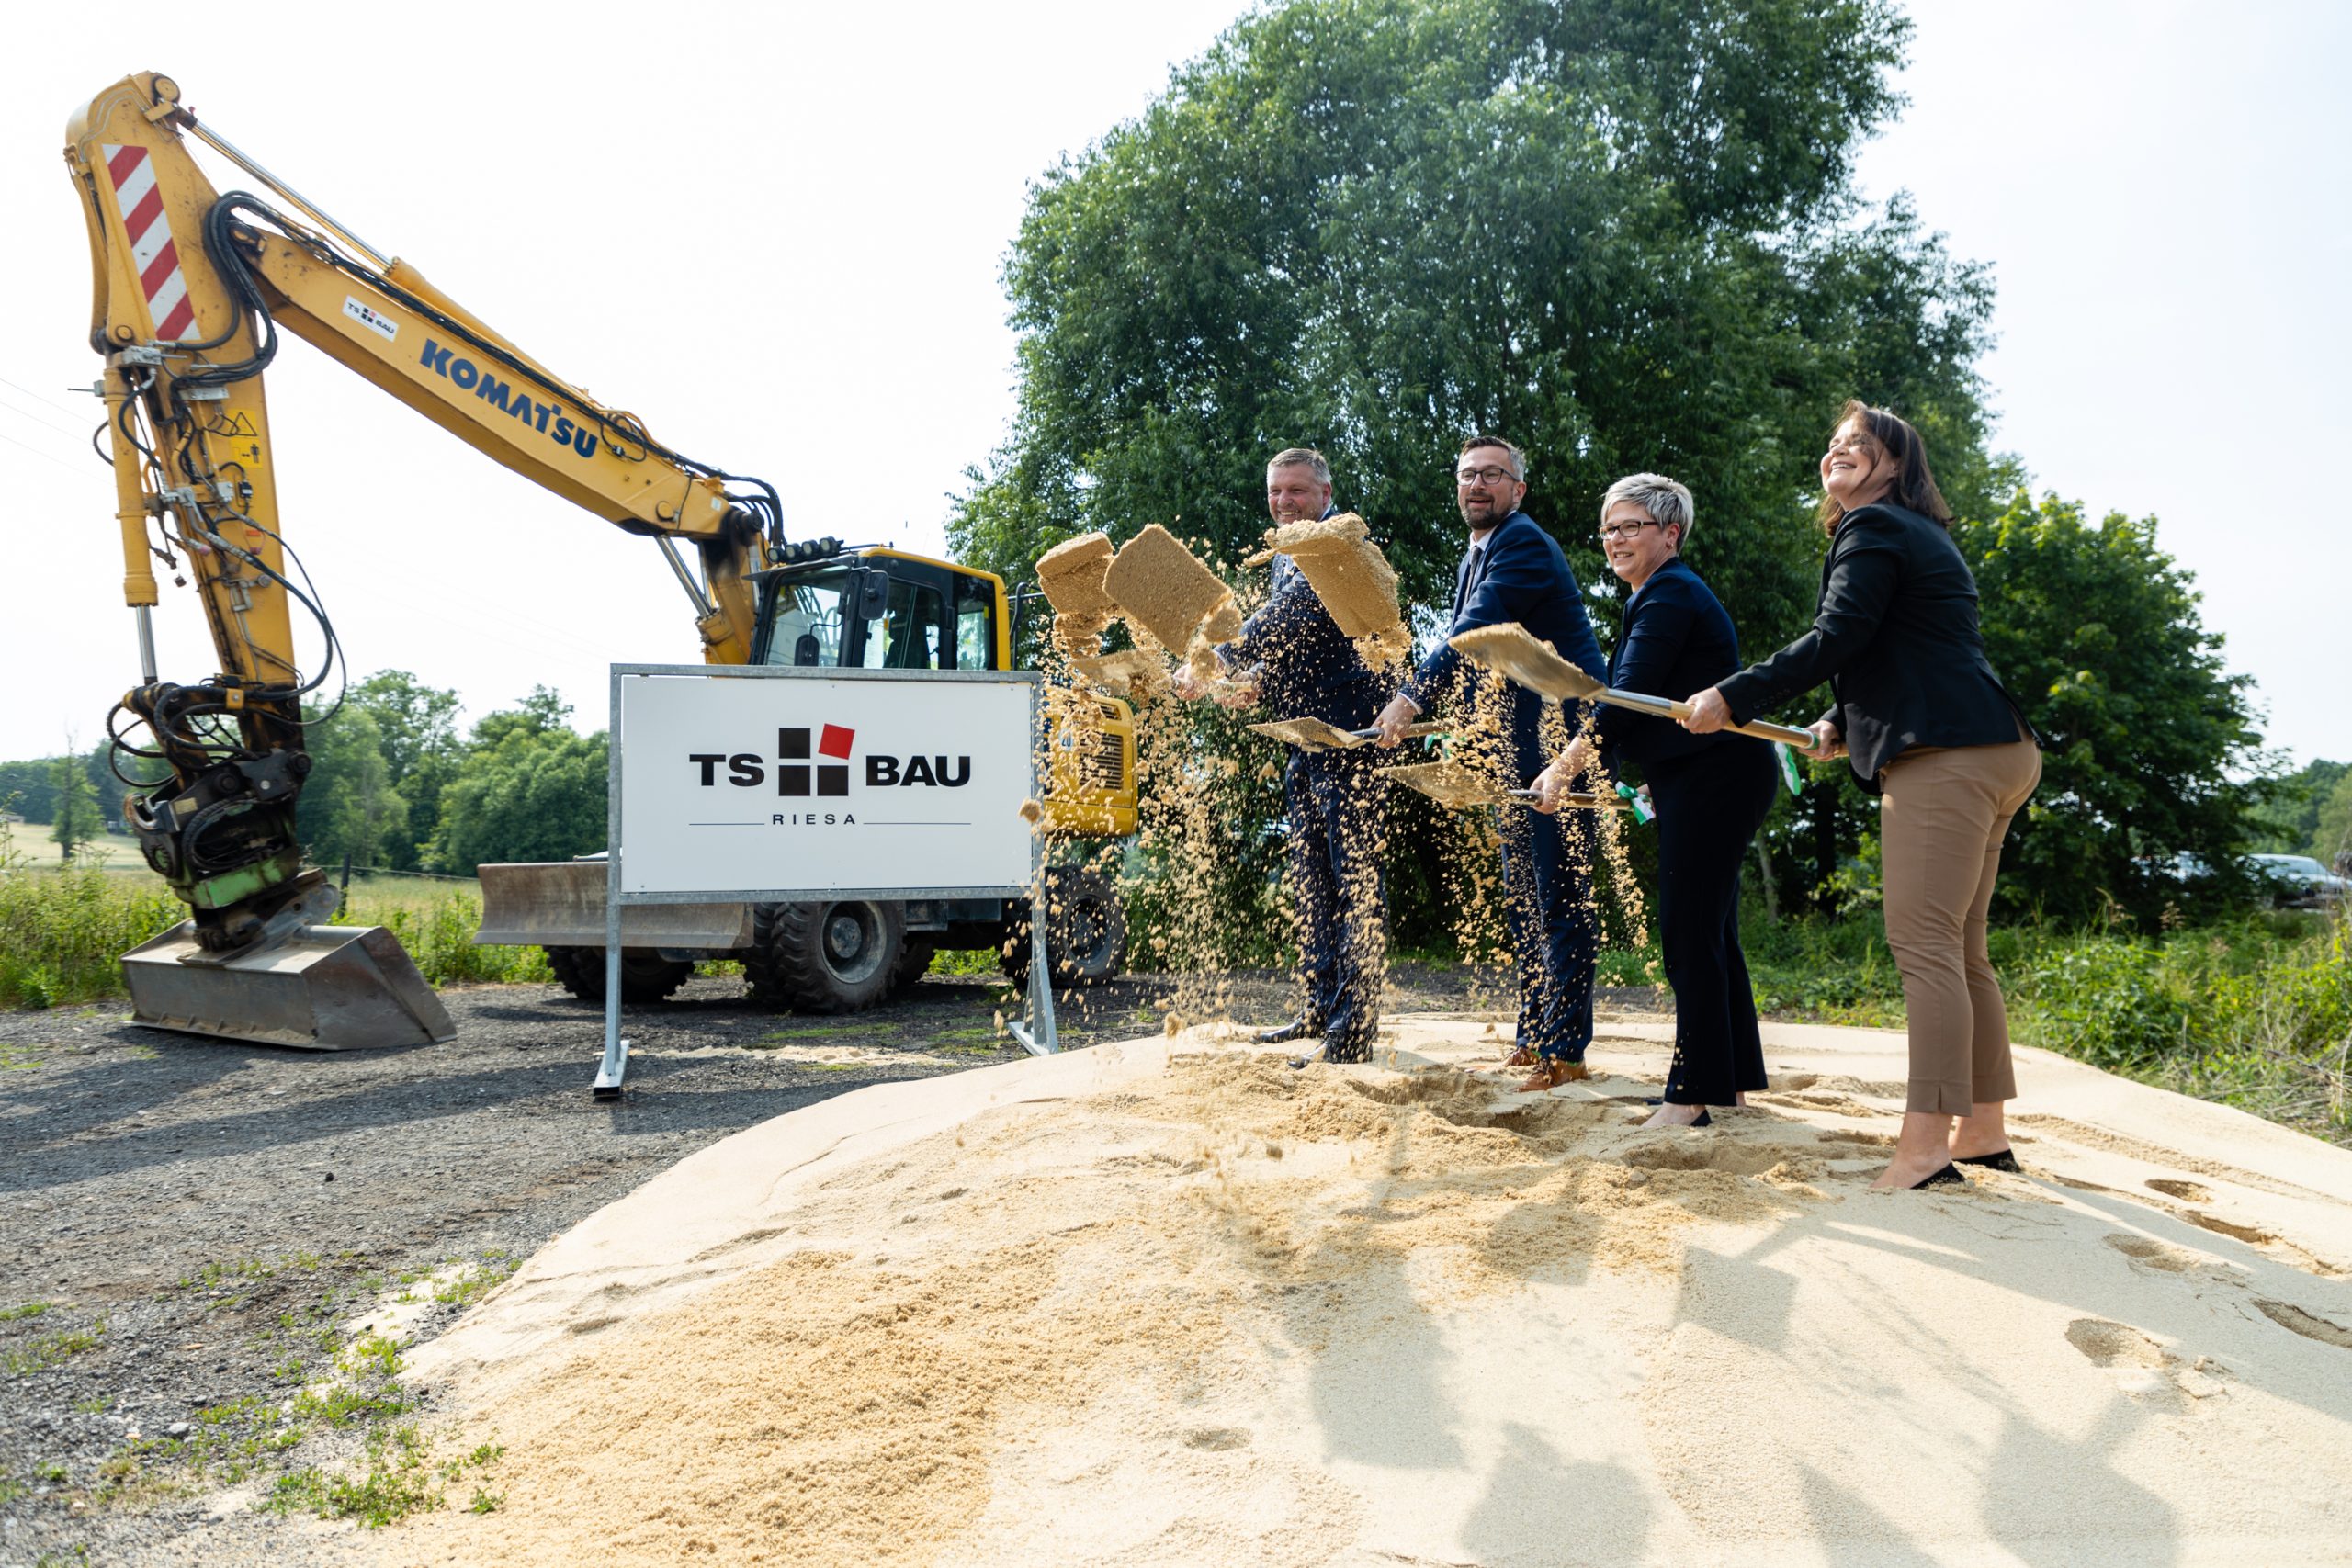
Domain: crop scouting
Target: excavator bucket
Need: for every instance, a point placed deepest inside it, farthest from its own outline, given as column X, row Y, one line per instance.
column 320, row 988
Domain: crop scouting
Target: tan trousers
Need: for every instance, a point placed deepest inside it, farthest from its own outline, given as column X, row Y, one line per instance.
column 1941, row 820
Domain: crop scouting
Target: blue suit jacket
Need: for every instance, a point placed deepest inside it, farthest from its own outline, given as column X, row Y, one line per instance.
column 1522, row 575
column 1676, row 642
column 1309, row 667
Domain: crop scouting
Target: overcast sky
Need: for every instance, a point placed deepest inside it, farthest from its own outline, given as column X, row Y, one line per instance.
column 775, row 233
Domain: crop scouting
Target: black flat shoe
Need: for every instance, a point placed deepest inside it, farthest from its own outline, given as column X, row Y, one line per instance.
column 2000, row 1159
column 1296, row 1029
column 1948, row 1176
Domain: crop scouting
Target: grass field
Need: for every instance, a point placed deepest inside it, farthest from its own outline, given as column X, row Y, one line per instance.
column 64, row 923
column 115, row 852
column 2256, row 1011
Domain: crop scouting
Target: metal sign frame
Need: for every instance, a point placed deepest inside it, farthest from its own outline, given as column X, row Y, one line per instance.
column 1035, row 1033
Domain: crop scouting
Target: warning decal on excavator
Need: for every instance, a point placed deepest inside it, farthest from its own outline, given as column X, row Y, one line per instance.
column 154, row 255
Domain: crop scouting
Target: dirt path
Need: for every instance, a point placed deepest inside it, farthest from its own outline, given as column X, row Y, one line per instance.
column 196, row 1232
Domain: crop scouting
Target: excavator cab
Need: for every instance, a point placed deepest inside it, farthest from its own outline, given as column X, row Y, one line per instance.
column 878, row 609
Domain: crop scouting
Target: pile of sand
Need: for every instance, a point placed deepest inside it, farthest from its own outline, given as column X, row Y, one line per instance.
column 1170, row 1302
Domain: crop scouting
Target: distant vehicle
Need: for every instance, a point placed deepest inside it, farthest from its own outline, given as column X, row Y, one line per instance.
column 2300, row 882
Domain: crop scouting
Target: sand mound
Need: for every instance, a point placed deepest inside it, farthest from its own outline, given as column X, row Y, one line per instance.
column 1171, row 1301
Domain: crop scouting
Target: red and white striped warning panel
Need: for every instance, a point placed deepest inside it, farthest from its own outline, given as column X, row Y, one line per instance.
column 152, row 252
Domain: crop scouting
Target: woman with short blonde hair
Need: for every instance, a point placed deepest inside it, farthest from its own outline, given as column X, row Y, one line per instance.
column 1711, row 792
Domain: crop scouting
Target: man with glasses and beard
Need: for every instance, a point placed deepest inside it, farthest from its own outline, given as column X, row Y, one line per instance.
column 1298, row 664
column 1513, row 570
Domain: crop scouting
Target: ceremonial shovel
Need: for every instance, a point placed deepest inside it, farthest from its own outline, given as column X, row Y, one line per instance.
column 1512, row 652
column 1316, row 735
column 1456, row 787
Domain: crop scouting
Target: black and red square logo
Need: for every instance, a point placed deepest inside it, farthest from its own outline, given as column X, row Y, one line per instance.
column 792, row 774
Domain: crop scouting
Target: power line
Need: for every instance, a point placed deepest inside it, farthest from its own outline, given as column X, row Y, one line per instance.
column 78, row 473
column 45, row 424
column 61, row 407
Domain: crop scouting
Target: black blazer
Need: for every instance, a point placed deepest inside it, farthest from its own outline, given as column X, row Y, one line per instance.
column 1678, row 640
column 1521, row 575
column 1897, row 639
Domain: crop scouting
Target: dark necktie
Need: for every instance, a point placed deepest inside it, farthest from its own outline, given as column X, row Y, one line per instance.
column 1464, row 578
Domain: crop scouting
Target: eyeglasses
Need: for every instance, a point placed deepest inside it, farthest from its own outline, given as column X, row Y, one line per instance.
column 1488, row 475
column 1627, row 530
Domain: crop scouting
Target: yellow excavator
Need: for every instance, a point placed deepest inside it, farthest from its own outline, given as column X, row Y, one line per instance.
column 190, row 288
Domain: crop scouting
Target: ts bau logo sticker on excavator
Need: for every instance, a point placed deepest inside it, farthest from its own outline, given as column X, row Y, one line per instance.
column 509, row 400
column 827, row 774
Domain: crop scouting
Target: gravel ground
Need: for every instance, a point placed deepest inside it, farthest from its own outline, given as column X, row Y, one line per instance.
column 197, row 1232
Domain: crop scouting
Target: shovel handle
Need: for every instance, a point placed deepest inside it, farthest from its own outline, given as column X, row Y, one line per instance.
column 1575, row 800
column 1665, row 708
column 1412, row 731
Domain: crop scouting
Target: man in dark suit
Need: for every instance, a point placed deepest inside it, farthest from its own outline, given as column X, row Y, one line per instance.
column 1295, row 661
column 1513, row 570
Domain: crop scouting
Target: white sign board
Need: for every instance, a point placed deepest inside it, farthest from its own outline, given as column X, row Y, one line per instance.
column 758, row 783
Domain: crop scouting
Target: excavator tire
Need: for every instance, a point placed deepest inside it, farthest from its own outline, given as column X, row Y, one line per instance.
column 914, row 962
column 646, row 976
column 1086, row 929
column 826, row 957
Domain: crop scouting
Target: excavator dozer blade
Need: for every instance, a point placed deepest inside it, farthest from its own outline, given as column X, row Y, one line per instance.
column 561, row 904
column 321, row 989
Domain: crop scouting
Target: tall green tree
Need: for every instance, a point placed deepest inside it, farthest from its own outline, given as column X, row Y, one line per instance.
column 75, row 821
column 529, row 788
column 350, row 807
column 1624, row 233
column 418, row 724
column 2288, row 823
column 2148, row 740
column 2331, row 832
column 1621, row 232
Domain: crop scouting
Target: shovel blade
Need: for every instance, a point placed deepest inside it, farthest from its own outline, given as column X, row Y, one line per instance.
column 322, row 988
column 1514, row 653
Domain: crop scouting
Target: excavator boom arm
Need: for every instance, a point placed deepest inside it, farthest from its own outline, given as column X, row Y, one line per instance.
column 190, row 289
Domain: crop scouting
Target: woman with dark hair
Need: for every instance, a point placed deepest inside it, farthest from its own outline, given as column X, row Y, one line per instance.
column 1712, row 792
column 1928, row 728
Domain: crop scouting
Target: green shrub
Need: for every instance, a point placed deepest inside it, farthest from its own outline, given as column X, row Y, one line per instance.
column 62, row 932
column 2111, row 1002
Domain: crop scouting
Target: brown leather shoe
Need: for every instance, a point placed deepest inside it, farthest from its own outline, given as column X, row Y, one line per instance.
column 1552, row 1072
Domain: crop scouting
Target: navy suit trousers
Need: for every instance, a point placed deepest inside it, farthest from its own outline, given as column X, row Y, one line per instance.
column 1555, row 929
column 1333, row 801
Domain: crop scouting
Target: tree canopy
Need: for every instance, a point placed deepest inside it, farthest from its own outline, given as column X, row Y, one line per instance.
column 529, row 788
column 2149, row 742
column 1622, row 232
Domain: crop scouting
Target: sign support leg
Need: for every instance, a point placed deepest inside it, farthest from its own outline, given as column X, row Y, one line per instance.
column 616, row 1060
column 1036, row 1032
